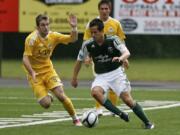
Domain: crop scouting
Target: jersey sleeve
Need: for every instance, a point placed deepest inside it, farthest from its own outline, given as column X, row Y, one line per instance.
column 120, row 32
column 120, row 44
column 83, row 52
column 62, row 38
column 29, row 43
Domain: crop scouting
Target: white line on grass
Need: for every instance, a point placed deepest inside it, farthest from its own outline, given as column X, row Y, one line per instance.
column 66, row 119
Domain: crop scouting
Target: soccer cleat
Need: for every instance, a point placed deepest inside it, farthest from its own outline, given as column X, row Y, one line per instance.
column 149, row 126
column 99, row 112
column 77, row 122
column 124, row 116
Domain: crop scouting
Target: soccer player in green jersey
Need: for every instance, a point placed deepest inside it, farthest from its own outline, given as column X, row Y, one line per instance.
column 42, row 77
column 108, row 54
column 111, row 27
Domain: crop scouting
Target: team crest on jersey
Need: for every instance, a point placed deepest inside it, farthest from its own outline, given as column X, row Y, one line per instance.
column 110, row 30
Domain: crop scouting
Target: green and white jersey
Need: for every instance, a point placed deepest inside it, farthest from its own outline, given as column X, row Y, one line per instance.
column 102, row 55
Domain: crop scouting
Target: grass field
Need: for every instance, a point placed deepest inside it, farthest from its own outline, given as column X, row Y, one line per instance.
column 140, row 69
column 19, row 107
column 15, row 102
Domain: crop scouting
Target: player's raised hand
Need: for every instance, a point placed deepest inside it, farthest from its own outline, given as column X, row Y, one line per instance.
column 72, row 20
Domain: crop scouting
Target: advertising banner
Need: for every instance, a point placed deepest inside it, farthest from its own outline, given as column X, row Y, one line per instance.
column 58, row 11
column 8, row 15
column 148, row 16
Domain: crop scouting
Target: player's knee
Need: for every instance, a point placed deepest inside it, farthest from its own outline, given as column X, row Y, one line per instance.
column 129, row 102
column 45, row 102
column 94, row 93
column 45, row 106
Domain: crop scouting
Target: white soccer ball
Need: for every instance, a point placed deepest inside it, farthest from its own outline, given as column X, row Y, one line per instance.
column 89, row 119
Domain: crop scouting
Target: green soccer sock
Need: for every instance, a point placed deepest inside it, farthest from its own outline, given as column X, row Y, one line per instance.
column 108, row 105
column 137, row 109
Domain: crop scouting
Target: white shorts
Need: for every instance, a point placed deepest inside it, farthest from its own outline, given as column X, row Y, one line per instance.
column 115, row 80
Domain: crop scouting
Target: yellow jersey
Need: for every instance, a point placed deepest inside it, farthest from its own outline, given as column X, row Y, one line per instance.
column 111, row 27
column 40, row 49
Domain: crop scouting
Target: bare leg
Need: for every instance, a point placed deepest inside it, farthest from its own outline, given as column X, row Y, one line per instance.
column 45, row 102
column 59, row 93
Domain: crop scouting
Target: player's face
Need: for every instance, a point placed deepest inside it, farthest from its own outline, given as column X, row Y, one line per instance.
column 96, row 34
column 43, row 28
column 104, row 12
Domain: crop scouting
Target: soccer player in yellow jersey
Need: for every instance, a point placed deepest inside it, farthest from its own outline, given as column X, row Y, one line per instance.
column 111, row 27
column 39, row 46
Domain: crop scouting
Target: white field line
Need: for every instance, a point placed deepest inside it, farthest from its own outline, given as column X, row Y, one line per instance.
column 66, row 119
column 36, row 123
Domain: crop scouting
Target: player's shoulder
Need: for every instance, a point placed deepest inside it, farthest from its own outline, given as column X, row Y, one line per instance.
column 88, row 42
column 114, row 20
column 31, row 38
column 32, row 35
column 54, row 34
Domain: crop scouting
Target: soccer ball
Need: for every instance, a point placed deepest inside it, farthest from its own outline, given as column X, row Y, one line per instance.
column 89, row 119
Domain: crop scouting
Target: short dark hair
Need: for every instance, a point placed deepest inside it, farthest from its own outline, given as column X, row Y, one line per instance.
column 97, row 22
column 41, row 17
column 108, row 2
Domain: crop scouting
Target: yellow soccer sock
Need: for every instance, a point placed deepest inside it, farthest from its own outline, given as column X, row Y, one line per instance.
column 69, row 107
column 113, row 97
